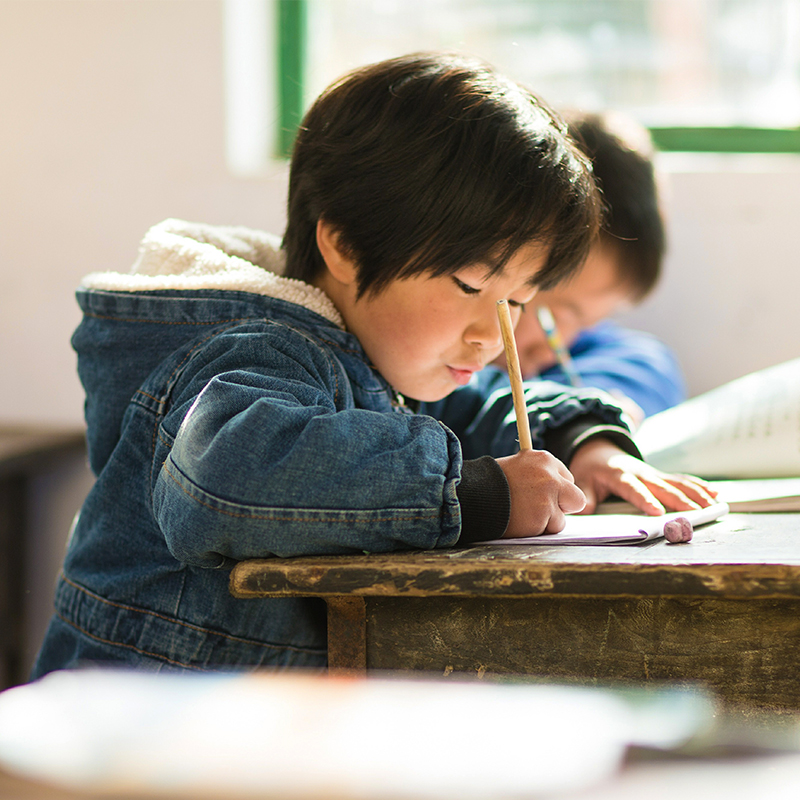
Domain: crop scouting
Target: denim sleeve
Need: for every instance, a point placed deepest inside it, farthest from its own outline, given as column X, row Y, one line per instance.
column 632, row 362
column 265, row 454
column 482, row 416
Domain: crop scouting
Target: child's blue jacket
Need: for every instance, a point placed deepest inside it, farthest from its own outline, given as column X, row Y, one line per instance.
column 230, row 415
column 635, row 363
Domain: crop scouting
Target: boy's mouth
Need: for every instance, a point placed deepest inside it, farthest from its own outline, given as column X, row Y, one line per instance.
column 461, row 376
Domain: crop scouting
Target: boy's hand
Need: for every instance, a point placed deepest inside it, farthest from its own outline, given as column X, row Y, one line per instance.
column 542, row 492
column 600, row 468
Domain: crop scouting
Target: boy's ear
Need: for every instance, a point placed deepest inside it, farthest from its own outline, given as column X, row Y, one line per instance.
column 339, row 263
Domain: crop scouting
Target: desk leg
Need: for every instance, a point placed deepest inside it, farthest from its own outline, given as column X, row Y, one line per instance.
column 12, row 569
column 347, row 635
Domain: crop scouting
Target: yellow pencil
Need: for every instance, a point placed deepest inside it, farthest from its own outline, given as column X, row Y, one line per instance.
column 561, row 351
column 515, row 374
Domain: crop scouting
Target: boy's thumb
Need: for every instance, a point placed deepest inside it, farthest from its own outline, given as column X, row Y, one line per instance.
column 572, row 499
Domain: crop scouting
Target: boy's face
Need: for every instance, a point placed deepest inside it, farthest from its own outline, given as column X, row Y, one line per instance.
column 592, row 295
column 428, row 335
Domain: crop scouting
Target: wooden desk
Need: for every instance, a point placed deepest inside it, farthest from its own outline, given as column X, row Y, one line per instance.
column 723, row 609
column 24, row 452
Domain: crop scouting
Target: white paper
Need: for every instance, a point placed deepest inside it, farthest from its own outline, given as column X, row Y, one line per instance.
column 298, row 736
column 616, row 529
column 748, row 428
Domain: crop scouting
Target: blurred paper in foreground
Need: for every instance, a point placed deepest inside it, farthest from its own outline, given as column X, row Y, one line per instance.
column 310, row 736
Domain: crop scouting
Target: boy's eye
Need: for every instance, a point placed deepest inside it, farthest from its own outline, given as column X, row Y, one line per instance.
column 466, row 288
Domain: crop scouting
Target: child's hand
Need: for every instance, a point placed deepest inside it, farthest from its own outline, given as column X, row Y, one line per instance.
column 542, row 492
column 600, row 468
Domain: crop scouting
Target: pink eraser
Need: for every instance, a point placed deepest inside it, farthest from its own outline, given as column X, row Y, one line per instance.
column 678, row 530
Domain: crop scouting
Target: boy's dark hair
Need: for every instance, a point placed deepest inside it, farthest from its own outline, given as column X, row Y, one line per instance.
column 622, row 159
column 432, row 162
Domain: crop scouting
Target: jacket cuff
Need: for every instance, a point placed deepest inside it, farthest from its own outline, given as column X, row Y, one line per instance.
column 564, row 441
column 485, row 501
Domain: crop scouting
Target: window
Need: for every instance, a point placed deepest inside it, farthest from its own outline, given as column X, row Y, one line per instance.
column 720, row 75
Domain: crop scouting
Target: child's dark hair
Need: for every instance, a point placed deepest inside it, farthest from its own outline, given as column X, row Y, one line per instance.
column 433, row 162
column 622, row 159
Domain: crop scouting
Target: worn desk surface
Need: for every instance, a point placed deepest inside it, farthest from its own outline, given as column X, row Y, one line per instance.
column 723, row 609
column 742, row 555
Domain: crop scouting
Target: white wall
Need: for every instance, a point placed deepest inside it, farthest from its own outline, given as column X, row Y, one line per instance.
column 111, row 121
column 729, row 299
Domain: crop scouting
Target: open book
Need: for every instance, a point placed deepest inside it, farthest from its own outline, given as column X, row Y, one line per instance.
column 616, row 529
column 765, row 494
column 748, row 428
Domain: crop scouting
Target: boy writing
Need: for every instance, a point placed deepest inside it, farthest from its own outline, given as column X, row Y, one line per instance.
column 622, row 268
column 234, row 413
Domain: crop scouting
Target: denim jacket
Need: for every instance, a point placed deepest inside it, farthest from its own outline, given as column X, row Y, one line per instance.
column 230, row 415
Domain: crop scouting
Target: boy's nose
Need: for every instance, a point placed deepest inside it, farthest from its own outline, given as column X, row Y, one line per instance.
column 485, row 333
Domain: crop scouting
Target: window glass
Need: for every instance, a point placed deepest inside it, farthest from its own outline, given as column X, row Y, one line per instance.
column 669, row 63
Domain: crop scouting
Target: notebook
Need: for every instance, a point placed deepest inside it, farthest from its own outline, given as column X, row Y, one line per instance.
column 617, row 529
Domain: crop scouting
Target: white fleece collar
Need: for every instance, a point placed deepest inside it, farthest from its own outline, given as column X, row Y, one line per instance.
column 187, row 256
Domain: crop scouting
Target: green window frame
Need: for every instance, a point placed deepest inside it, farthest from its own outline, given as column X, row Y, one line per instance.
column 727, row 140
column 292, row 27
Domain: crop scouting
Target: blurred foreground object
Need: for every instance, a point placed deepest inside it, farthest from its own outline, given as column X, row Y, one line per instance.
column 310, row 736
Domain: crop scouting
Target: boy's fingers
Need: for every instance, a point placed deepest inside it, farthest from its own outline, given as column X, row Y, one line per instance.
column 695, row 490
column 635, row 491
column 571, row 499
column 591, row 500
column 556, row 522
column 564, row 472
column 673, row 497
